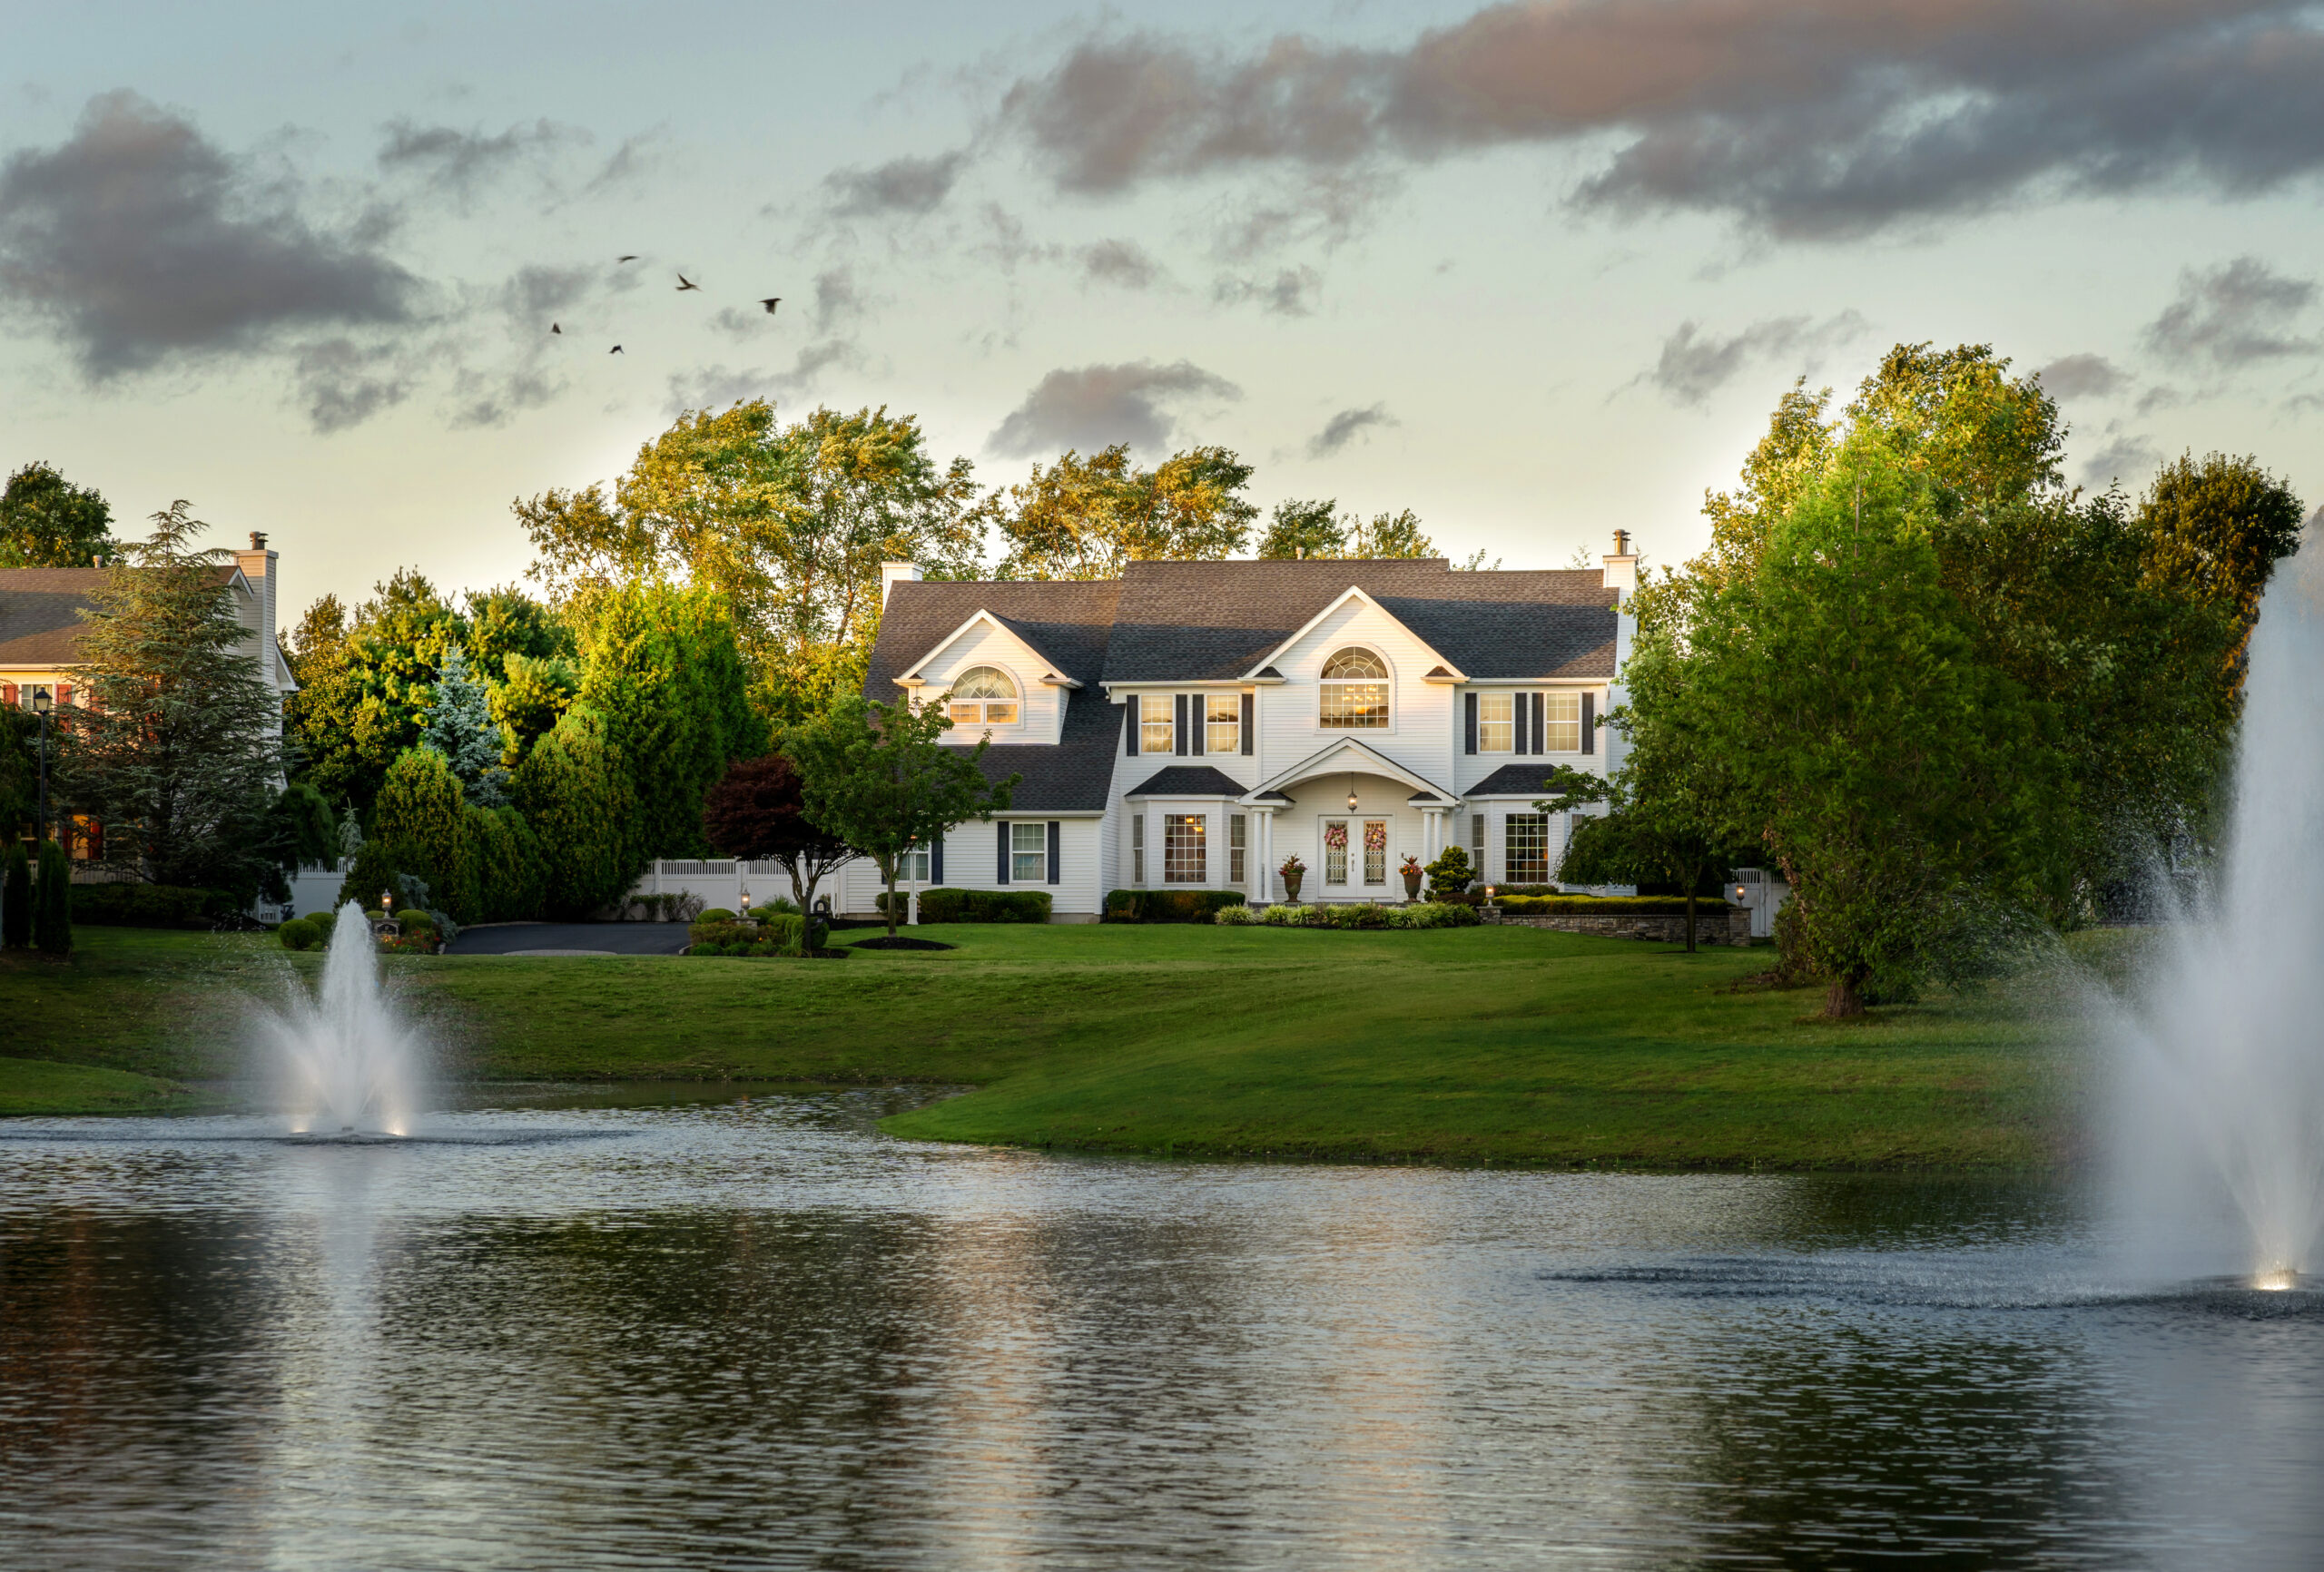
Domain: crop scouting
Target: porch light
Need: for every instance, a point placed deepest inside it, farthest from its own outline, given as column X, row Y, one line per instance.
column 1351, row 793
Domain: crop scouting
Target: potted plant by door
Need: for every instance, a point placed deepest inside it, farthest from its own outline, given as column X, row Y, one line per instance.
column 1411, row 871
column 1292, row 871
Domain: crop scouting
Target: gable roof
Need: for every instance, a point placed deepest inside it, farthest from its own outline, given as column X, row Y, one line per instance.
column 1187, row 780
column 1214, row 621
column 1515, row 781
column 40, row 614
column 1014, row 629
column 1068, row 622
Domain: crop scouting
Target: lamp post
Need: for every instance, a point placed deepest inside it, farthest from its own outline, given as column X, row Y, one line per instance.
column 43, row 702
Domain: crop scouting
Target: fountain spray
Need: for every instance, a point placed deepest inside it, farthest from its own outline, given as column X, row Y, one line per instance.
column 347, row 1061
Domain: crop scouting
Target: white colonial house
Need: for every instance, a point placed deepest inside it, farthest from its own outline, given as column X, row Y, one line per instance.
column 1193, row 724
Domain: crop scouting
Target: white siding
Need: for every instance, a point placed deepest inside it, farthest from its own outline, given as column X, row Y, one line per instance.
column 972, row 861
column 1043, row 716
column 1422, row 732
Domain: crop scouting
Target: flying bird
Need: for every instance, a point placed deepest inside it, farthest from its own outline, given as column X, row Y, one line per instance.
column 615, row 351
column 555, row 328
column 630, row 258
column 685, row 283
column 771, row 302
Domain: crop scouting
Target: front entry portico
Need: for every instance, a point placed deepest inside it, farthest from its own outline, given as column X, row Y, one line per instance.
column 1352, row 853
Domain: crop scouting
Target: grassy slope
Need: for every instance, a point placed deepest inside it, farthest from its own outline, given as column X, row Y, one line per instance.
column 1504, row 1044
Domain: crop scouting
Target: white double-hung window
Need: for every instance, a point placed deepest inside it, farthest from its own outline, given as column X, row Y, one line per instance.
column 1155, row 725
column 1029, row 849
column 1222, row 724
column 1354, row 695
column 1496, row 722
column 1561, row 723
column 983, row 696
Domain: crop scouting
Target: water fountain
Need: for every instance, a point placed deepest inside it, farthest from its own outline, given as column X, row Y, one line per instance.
column 349, row 1067
column 2219, row 1158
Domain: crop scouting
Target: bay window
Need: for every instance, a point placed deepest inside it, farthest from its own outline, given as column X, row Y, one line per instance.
column 1184, row 850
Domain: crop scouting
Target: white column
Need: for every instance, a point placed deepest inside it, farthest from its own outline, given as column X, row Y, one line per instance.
column 1263, row 847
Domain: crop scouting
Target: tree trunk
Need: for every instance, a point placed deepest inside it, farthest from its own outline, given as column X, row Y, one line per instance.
column 891, row 871
column 1843, row 1000
column 1691, row 919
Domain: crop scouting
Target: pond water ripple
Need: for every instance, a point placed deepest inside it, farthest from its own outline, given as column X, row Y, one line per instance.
column 758, row 1334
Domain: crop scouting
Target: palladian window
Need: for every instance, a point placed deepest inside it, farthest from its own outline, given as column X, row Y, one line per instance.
column 1355, row 692
column 983, row 696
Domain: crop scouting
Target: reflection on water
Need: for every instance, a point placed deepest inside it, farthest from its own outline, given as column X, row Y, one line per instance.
column 757, row 1333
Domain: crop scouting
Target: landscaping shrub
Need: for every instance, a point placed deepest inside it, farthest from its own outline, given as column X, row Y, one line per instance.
column 1450, row 874
column 53, row 902
column 16, row 900
column 324, row 922
column 1234, row 915
column 1609, row 906
column 780, row 933
column 944, row 905
column 1371, row 915
column 298, row 934
column 1168, row 905
column 150, row 906
column 1434, row 914
column 715, row 914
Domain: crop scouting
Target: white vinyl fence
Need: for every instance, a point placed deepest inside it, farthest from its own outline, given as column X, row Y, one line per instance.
column 720, row 881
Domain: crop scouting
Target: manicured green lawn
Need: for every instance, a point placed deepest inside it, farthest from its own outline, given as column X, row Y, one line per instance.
column 1497, row 1044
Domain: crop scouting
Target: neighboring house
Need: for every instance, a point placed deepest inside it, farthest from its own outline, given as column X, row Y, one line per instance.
column 41, row 623
column 1192, row 724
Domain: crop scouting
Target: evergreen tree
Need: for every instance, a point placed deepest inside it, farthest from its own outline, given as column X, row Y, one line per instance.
column 364, row 683
column 459, row 727
column 418, row 812
column 16, row 899
column 53, row 902
column 177, row 749
column 574, row 789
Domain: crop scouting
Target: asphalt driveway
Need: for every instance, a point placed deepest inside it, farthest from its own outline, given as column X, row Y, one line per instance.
column 571, row 938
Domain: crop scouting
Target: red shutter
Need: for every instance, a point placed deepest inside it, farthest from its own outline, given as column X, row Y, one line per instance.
column 63, row 694
column 8, row 694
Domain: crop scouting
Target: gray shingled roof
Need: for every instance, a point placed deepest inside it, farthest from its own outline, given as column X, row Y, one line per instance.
column 40, row 607
column 1514, row 781
column 1187, row 780
column 1068, row 622
column 1214, row 621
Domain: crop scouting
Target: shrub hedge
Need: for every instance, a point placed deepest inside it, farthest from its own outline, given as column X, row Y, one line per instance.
column 944, row 904
column 1611, row 906
column 1168, row 905
column 150, row 906
column 1371, row 915
column 778, row 933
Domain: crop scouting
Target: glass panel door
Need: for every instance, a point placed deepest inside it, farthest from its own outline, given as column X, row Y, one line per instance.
column 1335, row 852
column 1375, row 853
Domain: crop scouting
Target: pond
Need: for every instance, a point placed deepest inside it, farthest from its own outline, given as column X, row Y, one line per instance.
column 751, row 1332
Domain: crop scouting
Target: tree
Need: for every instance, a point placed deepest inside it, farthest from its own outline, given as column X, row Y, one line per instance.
column 790, row 524
column 177, row 747
column 532, row 694
column 52, row 903
column 15, row 899
column 47, row 520
column 880, row 778
column 1310, row 530
column 1088, row 519
column 1900, row 781
column 2215, row 531
column 19, row 772
column 459, row 727
column 366, row 682
column 419, row 813
column 574, row 789
column 757, row 812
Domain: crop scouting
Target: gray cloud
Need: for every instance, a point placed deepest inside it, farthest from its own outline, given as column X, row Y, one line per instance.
column 902, row 187
column 139, row 242
column 2124, row 455
column 839, row 304
column 2082, row 376
column 344, row 383
column 715, row 388
column 1800, row 117
column 1694, row 365
column 1122, row 263
column 487, row 399
column 2231, row 315
column 1291, row 292
column 1093, row 406
column 1344, row 429
column 460, row 161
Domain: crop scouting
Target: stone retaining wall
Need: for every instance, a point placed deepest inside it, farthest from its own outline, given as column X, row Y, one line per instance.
column 1715, row 923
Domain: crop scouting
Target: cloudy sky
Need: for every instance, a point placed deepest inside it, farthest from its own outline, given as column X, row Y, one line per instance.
column 1536, row 272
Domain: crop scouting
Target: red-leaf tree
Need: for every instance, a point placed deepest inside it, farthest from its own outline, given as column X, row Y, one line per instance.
column 753, row 814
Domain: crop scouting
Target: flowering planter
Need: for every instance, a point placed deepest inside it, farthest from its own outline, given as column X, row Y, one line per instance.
column 1411, row 886
column 1291, row 888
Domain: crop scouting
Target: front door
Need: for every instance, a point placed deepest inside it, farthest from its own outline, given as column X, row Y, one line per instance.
column 1355, row 856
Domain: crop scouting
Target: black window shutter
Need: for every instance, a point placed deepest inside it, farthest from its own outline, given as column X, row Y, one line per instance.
column 1590, row 722
column 935, row 860
column 1057, row 838
column 1129, row 741
column 1519, row 713
column 1198, row 711
column 1178, row 724
column 1002, row 825
column 1541, row 725
column 1249, row 706
column 1471, row 708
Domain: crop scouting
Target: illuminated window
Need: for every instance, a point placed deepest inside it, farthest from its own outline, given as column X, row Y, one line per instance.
column 1354, row 692
column 1496, row 722
column 1561, row 723
column 983, row 696
column 1183, row 859
column 1153, row 724
column 1526, row 849
column 1222, row 724
column 1237, row 843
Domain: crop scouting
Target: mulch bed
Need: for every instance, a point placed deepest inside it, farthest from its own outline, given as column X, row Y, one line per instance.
column 899, row 942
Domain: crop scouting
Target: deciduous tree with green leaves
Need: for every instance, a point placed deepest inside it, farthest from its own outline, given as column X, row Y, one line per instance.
column 1088, row 519
column 47, row 520
column 881, row 778
column 1317, row 529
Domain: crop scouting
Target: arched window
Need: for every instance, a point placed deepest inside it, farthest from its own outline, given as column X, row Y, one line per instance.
column 1356, row 692
column 983, row 696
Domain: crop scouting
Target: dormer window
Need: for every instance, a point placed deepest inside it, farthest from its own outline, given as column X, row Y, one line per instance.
column 1354, row 692
column 983, row 696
